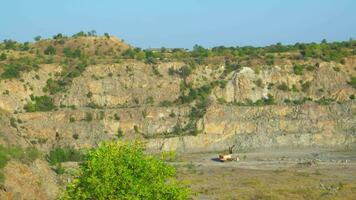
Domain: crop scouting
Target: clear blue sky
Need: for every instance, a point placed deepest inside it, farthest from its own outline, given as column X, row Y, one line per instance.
column 183, row 23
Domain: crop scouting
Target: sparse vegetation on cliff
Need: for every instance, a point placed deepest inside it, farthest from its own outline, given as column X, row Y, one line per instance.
column 24, row 155
column 40, row 103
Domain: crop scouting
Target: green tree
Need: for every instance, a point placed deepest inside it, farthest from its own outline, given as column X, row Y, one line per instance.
column 123, row 171
column 37, row 38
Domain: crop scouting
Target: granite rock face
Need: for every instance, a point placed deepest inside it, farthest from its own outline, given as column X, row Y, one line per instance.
column 127, row 97
column 269, row 126
column 204, row 110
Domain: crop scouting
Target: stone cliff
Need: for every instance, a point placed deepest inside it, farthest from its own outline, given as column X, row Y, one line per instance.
column 95, row 89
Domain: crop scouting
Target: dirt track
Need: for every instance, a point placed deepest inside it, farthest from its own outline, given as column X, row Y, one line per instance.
column 312, row 173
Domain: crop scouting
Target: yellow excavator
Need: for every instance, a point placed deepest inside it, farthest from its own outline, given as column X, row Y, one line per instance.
column 229, row 156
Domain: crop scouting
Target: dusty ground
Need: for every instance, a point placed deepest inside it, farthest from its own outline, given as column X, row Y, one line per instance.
column 272, row 174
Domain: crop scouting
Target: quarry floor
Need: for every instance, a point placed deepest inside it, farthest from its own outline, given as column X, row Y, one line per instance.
column 299, row 173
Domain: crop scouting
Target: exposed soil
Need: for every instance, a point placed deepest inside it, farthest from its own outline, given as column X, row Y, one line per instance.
column 272, row 174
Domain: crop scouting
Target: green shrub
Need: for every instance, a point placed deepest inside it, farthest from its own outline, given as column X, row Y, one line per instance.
column 168, row 155
column 50, row 50
column 124, row 171
column 12, row 71
column 298, row 69
column 37, row 38
column 297, row 101
column 41, row 103
column 13, row 122
column 54, row 86
column 269, row 59
column 149, row 100
column 71, row 119
column 2, row 177
column 116, row 117
column 305, row 86
column 155, row 71
column 88, row 117
column 3, row 56
column 325, row 101
column 89, row 94
column 10, row 44
column 136, row 129
column 259, row 83
column 72, row 54
column 230, row 67
column 3, row 157
column 120, row 133
column 311, row 68
column 166, row 103
column 24, row 155
column 59, row 169
column 60, row 155
column 337, row 69
column 75, row 136
column 171, row 71
column 352, row 81
column 283, row 86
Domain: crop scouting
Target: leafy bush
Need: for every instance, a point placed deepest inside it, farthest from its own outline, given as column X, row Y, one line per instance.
column 37, row 38
column 2, row 177
column 269, row 59
column 198, row 94
column 75, row 136
column 259, row 83
column 117, row 117
column 298, row 69
column 24, row 155
column 13, row 122
column 325, row 101
column 230, row 67
column 88, row 117
column 41, row 103
column 305, row 86
column 155, row 71
column 89, row 94
column 54, row 86
column 3, row 57
column 183, row 72
column 166, row 103
column 297, row 101
column 337, row 69
column 311, row 68
column 283, row 86
column 71, row 119
column 123, row 171
column 72, row 54
column 120, row 133
column 12, row 71
column 59, row 155
column 10, row 44
column 168, row 155
column 149, row 100
column 50, row 50
column 352, row 81
column 3, row 157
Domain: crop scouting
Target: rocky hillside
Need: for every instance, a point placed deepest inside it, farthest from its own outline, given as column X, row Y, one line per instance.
column 74, row 92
